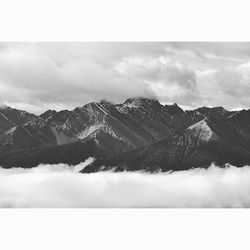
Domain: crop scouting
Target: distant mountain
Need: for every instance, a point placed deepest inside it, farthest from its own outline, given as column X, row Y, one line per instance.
column 139, row 134
column 135, row 123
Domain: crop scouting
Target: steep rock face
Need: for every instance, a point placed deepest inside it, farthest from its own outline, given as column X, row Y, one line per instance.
column 16, row 116
column 47, row 114
column 22, row 137
column 240, row 122
column 201, row 144
column 147, row 115
column 72, row 153
column 139, row 134
column 10, row 120
column 135, row 123
column 10, row 117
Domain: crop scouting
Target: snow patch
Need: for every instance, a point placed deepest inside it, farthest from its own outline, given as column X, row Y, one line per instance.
column 202, row 130
column 38, row 122
column 127, row 106
column 111, row 132
column 10, row 131
column 6, row 118
column 123, row 110
column 132, row 105
column 89, row 130
column 101, row 108
column 22, row 113
column 233, row 114
column 136, row 103
column 61, row 138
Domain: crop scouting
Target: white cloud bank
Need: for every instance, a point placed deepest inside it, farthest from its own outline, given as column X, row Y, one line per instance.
column 62, row 186
column 40, row 76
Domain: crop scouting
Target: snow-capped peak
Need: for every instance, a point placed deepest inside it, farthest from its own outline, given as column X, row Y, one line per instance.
column 138, row 102
column 133, row 103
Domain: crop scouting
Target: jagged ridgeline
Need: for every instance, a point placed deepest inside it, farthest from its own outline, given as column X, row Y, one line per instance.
column 139, row 134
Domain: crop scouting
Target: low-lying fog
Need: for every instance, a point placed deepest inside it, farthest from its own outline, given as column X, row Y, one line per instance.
column 63, row 186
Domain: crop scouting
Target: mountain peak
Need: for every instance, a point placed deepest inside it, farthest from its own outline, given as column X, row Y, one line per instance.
column 173, row 109
column 140, row 101
column 48, row 113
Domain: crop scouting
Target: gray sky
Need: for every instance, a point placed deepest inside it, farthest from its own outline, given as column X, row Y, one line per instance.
column 40, row 76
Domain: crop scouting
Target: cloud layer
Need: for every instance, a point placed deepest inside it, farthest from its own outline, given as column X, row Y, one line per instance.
column 40, row 76
column 63, row 186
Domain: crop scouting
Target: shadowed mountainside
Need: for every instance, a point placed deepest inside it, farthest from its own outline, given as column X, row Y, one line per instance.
column 139, row 134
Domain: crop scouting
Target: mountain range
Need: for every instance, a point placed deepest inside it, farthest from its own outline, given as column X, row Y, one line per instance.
column 138, row 134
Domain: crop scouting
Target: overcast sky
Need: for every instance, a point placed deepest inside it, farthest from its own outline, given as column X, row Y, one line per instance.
column 40, row 76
